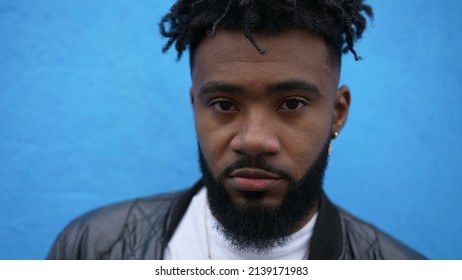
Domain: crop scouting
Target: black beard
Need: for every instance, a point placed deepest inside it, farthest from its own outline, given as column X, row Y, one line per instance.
column 253, row 227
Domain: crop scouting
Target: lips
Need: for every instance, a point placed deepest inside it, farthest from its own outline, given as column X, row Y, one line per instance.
column 253, row 179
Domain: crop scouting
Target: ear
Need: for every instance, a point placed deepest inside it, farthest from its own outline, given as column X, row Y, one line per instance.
column 191, row 96
column 341, row 107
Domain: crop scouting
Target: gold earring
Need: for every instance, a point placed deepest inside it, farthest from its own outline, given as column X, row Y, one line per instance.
column 334, row 135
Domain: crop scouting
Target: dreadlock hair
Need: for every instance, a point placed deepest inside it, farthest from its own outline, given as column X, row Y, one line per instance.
column 339, row 22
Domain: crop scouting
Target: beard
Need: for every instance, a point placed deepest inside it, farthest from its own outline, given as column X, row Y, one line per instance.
column 253, row 226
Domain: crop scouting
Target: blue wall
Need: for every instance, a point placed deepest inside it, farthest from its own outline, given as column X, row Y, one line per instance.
column 91, row 113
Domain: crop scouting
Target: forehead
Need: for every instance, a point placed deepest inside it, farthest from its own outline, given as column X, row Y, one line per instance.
column 295, row 54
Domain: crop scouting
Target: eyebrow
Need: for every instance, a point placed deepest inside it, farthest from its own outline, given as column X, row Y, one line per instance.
column 289, row 85
column 220, row 87
column 295, row 85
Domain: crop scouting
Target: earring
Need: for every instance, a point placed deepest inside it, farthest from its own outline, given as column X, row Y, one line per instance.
column 335, row 135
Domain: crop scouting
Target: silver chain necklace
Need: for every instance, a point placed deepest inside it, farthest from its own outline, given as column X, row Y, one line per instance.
column 207, row 237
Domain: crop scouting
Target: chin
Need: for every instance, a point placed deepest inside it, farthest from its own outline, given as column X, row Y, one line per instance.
column 259, row 220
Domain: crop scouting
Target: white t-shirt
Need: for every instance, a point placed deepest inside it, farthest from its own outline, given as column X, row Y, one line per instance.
column 189, row 242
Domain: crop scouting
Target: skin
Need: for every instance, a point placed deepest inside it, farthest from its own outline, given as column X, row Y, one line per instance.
column 281, row 107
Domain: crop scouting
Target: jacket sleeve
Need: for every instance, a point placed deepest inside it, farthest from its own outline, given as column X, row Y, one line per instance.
column 366, row 242
column 393, row 249
column 66, row 245
column 94, row 235
column 135, row 229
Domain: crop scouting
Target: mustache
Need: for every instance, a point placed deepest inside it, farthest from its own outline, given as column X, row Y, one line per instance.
column 250, row 162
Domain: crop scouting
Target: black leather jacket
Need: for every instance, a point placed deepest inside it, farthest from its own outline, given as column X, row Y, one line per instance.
column 142, row 228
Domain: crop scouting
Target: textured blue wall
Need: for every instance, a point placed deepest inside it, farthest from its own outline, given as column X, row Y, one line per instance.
column 91, row 112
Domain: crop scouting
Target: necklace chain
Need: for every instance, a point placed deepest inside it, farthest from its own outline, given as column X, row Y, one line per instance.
column 207, row 237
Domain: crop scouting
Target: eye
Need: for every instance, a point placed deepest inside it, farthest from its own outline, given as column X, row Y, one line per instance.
column 293, row 104
column 223, row 106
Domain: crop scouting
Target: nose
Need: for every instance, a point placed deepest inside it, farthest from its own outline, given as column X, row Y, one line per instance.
column 256, row 136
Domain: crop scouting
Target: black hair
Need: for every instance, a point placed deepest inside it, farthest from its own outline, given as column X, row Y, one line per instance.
column 339, row 22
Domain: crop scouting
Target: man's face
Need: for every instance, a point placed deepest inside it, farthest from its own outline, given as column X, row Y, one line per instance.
column 266, row 118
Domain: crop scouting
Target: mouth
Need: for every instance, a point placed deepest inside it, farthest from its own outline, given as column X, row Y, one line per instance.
column 253, row 180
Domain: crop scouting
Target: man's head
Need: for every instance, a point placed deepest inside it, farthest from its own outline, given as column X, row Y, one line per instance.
column 339, row 22
column 266, row 105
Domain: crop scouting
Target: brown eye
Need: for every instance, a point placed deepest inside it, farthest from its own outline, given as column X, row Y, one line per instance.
column 293, row 104
column 223, row 106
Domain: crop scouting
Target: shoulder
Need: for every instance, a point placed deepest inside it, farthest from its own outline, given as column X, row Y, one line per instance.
column 103, row 233
column 365, row 241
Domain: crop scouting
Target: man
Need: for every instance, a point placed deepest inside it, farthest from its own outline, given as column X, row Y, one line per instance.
column 266, row 104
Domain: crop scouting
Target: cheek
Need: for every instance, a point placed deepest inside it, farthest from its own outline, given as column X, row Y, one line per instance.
column 303, row 142
column 201, row 131
column 213, row 140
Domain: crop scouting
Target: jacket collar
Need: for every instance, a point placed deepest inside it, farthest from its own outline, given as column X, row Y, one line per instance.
column 326, row 243
column 179, row 209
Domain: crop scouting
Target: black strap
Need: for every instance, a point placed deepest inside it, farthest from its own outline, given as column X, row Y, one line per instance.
column 326, row 243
